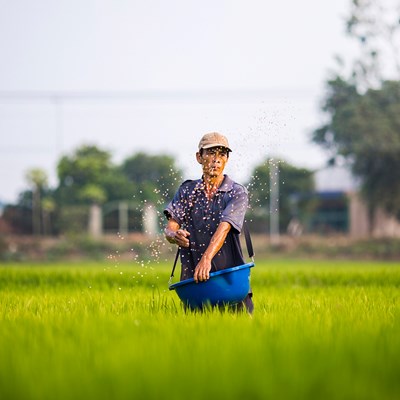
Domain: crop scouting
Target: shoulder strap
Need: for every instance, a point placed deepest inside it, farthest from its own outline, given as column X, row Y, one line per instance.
column 249, row 243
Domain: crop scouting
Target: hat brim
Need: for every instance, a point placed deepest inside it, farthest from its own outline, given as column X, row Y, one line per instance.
column 210, row 146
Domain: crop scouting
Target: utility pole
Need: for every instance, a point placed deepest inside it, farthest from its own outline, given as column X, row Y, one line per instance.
column 59, row 123
column 274, row 201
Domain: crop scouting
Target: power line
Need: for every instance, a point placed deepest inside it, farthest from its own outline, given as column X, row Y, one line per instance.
column 228, row 95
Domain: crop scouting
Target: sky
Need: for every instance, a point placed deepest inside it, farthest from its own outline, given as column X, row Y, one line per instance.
column 154, row 76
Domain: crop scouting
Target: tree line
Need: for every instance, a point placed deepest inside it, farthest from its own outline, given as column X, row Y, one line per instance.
column 88, row 176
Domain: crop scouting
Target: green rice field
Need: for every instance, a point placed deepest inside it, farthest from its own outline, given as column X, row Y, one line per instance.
column 320, row 330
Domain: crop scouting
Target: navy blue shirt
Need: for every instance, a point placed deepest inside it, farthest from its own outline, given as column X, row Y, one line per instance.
column 200, row 216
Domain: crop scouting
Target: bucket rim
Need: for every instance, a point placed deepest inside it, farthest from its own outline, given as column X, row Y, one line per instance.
column 212, row 274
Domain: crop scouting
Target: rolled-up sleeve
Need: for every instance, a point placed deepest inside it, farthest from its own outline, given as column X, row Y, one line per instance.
column 174, row 209
column 178, row 206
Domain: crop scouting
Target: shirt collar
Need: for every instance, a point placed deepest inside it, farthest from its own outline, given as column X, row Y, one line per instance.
column 226, row 185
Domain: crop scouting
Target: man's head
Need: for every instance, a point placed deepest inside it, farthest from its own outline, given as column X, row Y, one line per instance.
column 213, row 154
column 213, row 139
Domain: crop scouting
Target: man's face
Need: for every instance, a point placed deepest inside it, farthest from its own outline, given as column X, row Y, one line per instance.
column 213, row 160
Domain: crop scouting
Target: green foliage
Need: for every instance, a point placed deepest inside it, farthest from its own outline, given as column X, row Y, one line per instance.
column 295, row 186
column 154, row 178
column 365, row 130
column 363, row 104
column 93, row 194
column 117, row 185
column 87, row 166
column 88, row 163
column 37, row 178
column 320, row 330
column 89, row 176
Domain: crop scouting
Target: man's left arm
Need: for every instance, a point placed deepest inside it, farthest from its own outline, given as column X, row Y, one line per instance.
column 203, row 268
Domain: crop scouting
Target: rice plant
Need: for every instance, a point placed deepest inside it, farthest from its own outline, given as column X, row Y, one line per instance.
column 320, row 330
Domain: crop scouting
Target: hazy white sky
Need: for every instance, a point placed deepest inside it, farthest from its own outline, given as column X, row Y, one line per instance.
column 155, row 75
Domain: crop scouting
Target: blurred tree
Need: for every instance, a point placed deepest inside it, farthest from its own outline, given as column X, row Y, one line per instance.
column 154, row 177
column 295, row 186
column 93, row 194
column 37, row 178
column 365, row 130
column 89, row 177
column 363, row 110
column 48, row 208
column 116, row 185
column 83, row 178
column 83, row 175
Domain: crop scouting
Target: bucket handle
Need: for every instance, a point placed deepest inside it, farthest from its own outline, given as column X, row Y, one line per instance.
column 173, row 268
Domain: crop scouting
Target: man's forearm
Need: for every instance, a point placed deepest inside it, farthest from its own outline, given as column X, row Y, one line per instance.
column 202, row 271
column 217, row 240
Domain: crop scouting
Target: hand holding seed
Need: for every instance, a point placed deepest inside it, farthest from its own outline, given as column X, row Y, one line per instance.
column 181, row 238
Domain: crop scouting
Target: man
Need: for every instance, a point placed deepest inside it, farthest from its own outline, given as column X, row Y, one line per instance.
column 206, row 216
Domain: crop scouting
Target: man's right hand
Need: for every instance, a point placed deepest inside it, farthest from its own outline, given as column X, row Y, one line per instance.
column 175, row 235
column 181, row 238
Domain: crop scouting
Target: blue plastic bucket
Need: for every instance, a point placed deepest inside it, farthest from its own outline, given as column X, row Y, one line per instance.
column 227, row 286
